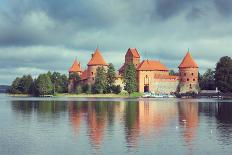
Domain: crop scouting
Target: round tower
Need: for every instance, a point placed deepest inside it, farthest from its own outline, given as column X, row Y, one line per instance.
column 75, row 69
column 188, row 71
column 95, row 62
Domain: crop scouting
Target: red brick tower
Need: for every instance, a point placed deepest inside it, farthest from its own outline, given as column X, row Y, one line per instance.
column 76, row 68
column 188, row 70
column 95, row 62
column 133, row 56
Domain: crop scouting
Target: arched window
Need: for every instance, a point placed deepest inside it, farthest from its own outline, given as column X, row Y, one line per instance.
column 192, row 74
column 185, row 74
column 187, row 79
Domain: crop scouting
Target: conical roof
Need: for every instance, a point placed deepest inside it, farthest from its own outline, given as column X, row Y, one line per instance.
column 188, row 62
column 134, row 52
column 97, row 59
column 76, row 67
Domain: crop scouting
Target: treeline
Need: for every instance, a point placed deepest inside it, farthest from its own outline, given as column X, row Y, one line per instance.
column 44, row 84
column 104, row 82
column 51, row 83
column 221, row 77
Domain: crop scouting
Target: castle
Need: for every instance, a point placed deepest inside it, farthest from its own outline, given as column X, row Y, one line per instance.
column 152, row 76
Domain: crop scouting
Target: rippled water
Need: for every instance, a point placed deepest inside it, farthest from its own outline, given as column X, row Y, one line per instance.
column 114, row 126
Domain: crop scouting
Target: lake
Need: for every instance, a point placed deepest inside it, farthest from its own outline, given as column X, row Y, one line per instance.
column 81, row 126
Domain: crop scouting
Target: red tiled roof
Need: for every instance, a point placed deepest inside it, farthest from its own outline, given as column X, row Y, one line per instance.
column 97, row 59
column 134, row 52
column 84, row 75
column 188, row 62
column 151, row 65
column 76, row 67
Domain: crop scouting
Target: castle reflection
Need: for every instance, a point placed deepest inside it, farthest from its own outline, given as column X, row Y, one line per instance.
column 142, row 119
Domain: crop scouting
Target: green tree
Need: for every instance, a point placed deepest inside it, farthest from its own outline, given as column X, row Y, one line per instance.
column 22, row 85
column 116, row 89
column 26, row 84
column 129, row 78
column 64, row 83
column 111, row 77
column 14, row 89
column 223, row 74
column 43, row 85
column 86, row 88
column 78, row 89
column 172, row 72
column 100, row 81
column 207, row 80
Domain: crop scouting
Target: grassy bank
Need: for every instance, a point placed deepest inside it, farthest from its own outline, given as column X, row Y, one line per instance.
column 121, row 95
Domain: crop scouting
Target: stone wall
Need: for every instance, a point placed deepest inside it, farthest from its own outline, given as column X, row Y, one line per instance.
column 165, row 86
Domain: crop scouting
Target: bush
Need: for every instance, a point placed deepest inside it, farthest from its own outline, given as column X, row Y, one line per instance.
column 86, row 88
column 116, row 89
column 78, row 89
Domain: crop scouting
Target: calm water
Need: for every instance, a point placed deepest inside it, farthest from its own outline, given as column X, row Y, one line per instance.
column 81, row 126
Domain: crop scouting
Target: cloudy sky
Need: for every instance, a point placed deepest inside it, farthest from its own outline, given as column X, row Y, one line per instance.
column 41, row 35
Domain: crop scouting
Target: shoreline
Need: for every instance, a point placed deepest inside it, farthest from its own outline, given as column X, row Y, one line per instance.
column 122, row 95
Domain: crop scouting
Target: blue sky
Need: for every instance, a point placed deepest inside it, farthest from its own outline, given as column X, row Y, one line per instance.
column 41, row 35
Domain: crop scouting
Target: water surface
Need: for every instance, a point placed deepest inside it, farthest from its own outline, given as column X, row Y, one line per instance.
column 114, row 126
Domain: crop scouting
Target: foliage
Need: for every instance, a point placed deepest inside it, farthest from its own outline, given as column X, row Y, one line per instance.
column 78, row 89
column 60, row 82
column 116, row 89
column 111, row 77
column 43, row 85
column 172, row 72
column 22, row 85
column 207, row 80
column 223, row 74
column 129, row 78
column 86, row 88
column 100, row 81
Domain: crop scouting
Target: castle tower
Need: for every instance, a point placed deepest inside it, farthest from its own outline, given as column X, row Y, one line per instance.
column 95, row 62
column 75, row 68
column 133, row 56
column 188, row 70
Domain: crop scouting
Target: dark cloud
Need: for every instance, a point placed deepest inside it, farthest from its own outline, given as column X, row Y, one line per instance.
column 41, row 35
column 224, row 7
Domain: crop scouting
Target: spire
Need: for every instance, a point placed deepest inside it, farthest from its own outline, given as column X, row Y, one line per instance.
column 76, row 67
column 97, row 59
column 188, row 62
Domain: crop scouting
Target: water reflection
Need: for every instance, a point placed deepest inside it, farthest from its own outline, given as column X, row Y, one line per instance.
column 188, row 119
column 144, row 120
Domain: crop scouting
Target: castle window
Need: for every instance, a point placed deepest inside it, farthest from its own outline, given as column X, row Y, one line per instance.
column 192, row 74
column 184, row 74
column 187, row 79
column 194, row 80
column 190, row 86
column 93, row 78
column 92, row 73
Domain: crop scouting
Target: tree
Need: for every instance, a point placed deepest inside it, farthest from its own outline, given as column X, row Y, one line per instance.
column 43, row 85
column 100, row 81
column 129, row 78
column 116, row 89
column 64, row 83
column 22, row 85
column 26, row 84
column 207, row 80
column 14, row 89
column 111, row 77
column 172, row 72
column 223, row 74
column 86, row 88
